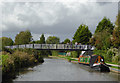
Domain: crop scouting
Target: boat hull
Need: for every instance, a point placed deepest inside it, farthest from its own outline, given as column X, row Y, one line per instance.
column 101, row 68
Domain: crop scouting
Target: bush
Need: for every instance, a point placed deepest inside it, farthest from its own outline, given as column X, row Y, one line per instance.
column 4, row 53
column 32, row 60
column 109, row 55
column 74, row 54
column 7, row 64
column 10, row 51
column 55, row 53
column 34, row 53
column 11, row 63
column 24, row 59
column 115, row 59
column 115, row 55
column 101, row 52
column 40, row 59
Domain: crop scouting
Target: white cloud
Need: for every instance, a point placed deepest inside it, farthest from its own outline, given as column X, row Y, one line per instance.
column 59, row 18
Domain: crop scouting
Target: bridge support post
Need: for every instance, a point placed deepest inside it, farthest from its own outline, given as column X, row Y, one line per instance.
column 17, row 46
column 25, row 45
column 33, row 46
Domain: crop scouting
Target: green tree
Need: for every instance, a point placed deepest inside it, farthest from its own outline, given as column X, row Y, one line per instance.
column 105, row 24
column 53, row 40
column 107, row 37
column 5, row 41
column 37, row 42
column 66, row 41
column 42, row 39
column 82, row 35
column 116, row 33
column 24, row 37
column 102, row 42
column 102, row 37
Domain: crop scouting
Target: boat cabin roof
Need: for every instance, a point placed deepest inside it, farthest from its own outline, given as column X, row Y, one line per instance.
column 86, row 53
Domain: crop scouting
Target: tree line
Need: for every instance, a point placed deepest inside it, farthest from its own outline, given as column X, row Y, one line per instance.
column 106, row 35
column 82, row 36
column 106, row 38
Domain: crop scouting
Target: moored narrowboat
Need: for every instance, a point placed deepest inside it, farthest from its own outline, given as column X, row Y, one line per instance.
column 94, row 61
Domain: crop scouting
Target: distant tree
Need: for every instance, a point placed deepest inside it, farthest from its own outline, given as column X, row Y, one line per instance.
column 5, row 41
column 66, row 41
column 42, row 39
column 24, row 37
column 32, row 42
column 105, row 24
column 37, row 42
column 53, row 40
column 82, row 35
column 116, row 33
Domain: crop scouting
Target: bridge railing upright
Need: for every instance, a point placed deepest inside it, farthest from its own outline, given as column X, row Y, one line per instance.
column 22, row 46
column 29, row 46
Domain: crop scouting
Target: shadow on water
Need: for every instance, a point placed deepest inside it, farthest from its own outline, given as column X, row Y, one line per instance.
column 21, row 71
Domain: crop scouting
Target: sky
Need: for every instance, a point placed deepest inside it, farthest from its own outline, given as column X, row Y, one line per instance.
column 55, row 18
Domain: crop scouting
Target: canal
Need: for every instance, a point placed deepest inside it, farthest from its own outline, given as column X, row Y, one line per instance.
column 62, row 70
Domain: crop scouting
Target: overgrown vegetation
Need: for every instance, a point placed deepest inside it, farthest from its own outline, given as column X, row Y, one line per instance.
column 12, row 63
column 107, row 40
column 75, row 54
column 5, row 41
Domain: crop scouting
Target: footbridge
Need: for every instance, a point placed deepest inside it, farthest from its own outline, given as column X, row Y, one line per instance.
column 53, row 47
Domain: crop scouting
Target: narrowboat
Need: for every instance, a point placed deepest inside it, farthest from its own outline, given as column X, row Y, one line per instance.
column 94, row 61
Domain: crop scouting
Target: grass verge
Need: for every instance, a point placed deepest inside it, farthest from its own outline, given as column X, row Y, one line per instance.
column 115, row 67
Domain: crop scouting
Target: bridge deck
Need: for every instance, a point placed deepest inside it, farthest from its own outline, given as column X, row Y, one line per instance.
column 53, row 47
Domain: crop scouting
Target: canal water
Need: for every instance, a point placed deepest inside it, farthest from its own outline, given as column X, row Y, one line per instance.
column 62, row 70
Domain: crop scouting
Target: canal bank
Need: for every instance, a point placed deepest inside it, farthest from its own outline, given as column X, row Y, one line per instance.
column 54, row 69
